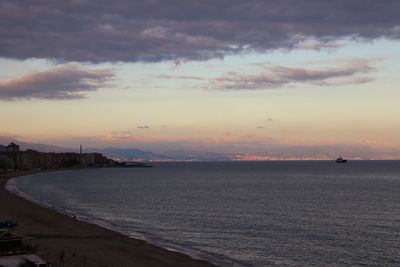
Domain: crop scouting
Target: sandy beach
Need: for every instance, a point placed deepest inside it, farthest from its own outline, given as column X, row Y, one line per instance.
column 65, row 241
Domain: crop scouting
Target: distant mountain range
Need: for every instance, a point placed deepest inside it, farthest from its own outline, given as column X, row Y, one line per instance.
column 124, row 153
column 4, row 141
column 273, row 153
column 128, row 154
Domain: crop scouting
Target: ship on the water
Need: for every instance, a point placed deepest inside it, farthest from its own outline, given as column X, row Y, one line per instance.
column 341, row 160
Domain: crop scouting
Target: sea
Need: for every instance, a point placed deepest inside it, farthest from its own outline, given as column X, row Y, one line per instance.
column 270, row 213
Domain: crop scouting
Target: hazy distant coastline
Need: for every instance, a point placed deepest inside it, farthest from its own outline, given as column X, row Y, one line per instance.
column 272, row 152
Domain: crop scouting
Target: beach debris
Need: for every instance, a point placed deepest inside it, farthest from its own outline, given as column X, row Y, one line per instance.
column 62, row 254
column 84, row 260
column 8, row 224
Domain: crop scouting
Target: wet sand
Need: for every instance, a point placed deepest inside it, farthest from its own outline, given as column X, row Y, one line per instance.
column 65, row 241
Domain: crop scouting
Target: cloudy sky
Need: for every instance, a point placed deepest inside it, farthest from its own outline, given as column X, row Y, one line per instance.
column 285, row 78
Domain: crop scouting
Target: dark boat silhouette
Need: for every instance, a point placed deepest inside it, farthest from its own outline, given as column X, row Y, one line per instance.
column 341, row 160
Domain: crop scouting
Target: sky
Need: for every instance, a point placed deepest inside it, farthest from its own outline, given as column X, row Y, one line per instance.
column 285, row 79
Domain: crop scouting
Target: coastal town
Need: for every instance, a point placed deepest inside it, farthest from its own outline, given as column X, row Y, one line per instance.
column 17, row 249
column 19, row 242
column 14, row 159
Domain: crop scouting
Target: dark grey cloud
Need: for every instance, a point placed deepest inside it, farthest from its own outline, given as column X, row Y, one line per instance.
column 143, row 127
column 278, row 76
column 64, row 82
column 156, row 30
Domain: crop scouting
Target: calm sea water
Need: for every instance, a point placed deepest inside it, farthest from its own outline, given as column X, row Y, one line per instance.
column 242, row 213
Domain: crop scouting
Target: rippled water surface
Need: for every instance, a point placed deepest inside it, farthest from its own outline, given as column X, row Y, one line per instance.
column 242, row 213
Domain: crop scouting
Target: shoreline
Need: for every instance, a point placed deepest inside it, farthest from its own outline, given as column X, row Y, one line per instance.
column 81, row 243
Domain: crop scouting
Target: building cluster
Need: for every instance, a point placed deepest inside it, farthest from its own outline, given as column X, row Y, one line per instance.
column 15, row 159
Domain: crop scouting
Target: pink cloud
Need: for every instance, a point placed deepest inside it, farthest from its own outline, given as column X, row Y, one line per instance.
column 272, row 77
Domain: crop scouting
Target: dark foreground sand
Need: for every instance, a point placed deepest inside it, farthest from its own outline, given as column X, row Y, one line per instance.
column 64, row 241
